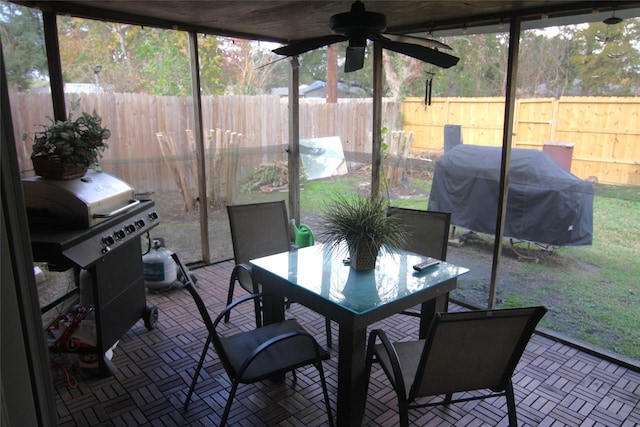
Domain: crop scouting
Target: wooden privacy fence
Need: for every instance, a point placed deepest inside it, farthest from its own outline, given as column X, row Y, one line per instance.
column 222, row 151
column 604, row 131
column 135, row 155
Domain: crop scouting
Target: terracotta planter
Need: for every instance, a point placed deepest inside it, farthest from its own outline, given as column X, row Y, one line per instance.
column 57, row 170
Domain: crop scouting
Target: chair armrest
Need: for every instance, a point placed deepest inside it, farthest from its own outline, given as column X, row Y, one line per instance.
column 396, row 375
column 233, row 305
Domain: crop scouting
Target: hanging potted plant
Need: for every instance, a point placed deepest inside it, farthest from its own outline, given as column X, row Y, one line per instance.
column 362, row 225
column 66, row 149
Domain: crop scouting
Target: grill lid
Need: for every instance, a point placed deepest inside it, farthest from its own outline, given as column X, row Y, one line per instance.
column 76, row 203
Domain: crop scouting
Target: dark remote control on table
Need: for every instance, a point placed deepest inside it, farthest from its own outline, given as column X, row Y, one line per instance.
column 428, row 263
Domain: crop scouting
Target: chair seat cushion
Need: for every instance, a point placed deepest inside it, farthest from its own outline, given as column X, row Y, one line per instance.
column 283, row 356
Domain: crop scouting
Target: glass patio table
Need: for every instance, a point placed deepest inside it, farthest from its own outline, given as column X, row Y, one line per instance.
column 319, row 279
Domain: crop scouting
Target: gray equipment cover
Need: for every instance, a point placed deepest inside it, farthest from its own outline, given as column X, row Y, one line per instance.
column 546, row 204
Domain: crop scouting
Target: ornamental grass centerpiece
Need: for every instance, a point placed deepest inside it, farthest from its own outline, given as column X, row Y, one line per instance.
column 363, row 226
column 66, row 149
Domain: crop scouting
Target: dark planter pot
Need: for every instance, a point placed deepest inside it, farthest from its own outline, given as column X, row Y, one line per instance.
column 57, row 170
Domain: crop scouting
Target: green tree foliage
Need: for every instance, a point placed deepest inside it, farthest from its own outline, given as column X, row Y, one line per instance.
column 313, row 67
column 163, row 56
column 481, row 70
column 22, row 45
column 247, row 67
column 131, row 58
column 604, row 58
column 404, row 76
column 210, row 61
column 135, row 59
column 85, row 44
column 276, row 69
column 542, row 65
column 588, row 59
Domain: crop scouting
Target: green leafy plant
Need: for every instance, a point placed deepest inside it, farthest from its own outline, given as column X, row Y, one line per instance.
column 362, row 224
column 79, row 141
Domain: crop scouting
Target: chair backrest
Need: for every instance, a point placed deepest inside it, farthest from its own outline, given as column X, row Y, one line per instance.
column 474, row 350
column 204, row 313
column 427, row 231
column 258, row 229
column 189, row 285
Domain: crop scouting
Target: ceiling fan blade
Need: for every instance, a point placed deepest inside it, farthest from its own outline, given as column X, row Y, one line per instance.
column 303, row 46
column 354, row 59
column 417, row 40
column 422, row 53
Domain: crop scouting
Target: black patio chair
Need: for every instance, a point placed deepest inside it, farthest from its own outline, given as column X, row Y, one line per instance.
column 427, row 234
column 463, row 352
column 257, row 230
column 427, row 231
column 258, row 354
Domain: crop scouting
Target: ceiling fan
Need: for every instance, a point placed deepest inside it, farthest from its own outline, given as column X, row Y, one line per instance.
column 357, row 26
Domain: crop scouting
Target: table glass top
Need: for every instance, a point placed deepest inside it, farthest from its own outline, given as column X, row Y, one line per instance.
column 320, row 271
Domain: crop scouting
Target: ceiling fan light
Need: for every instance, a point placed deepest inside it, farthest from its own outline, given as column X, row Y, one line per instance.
column 354, row 59
column 612, row 20
column 358, row 41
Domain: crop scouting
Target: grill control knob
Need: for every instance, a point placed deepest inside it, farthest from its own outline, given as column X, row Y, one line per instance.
column 153, row 216
column 140, row 223
column 108, row 240
column 120, row 234
column 130, row 228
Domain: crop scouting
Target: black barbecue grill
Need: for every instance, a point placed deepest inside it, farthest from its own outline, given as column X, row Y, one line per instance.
column 545, row 203
column 95, row 223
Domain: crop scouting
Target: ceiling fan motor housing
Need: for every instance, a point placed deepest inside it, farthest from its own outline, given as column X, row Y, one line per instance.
column 358, row 23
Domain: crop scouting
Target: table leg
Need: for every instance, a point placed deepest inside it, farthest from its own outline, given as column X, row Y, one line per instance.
column 352, row 392
column 429, row 309
column 272, row 308
column 272, row 312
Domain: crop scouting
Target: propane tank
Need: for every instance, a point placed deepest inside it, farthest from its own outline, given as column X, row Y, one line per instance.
column 158, row 268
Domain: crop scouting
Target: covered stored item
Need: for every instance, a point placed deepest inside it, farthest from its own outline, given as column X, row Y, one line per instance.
column 546, row 204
